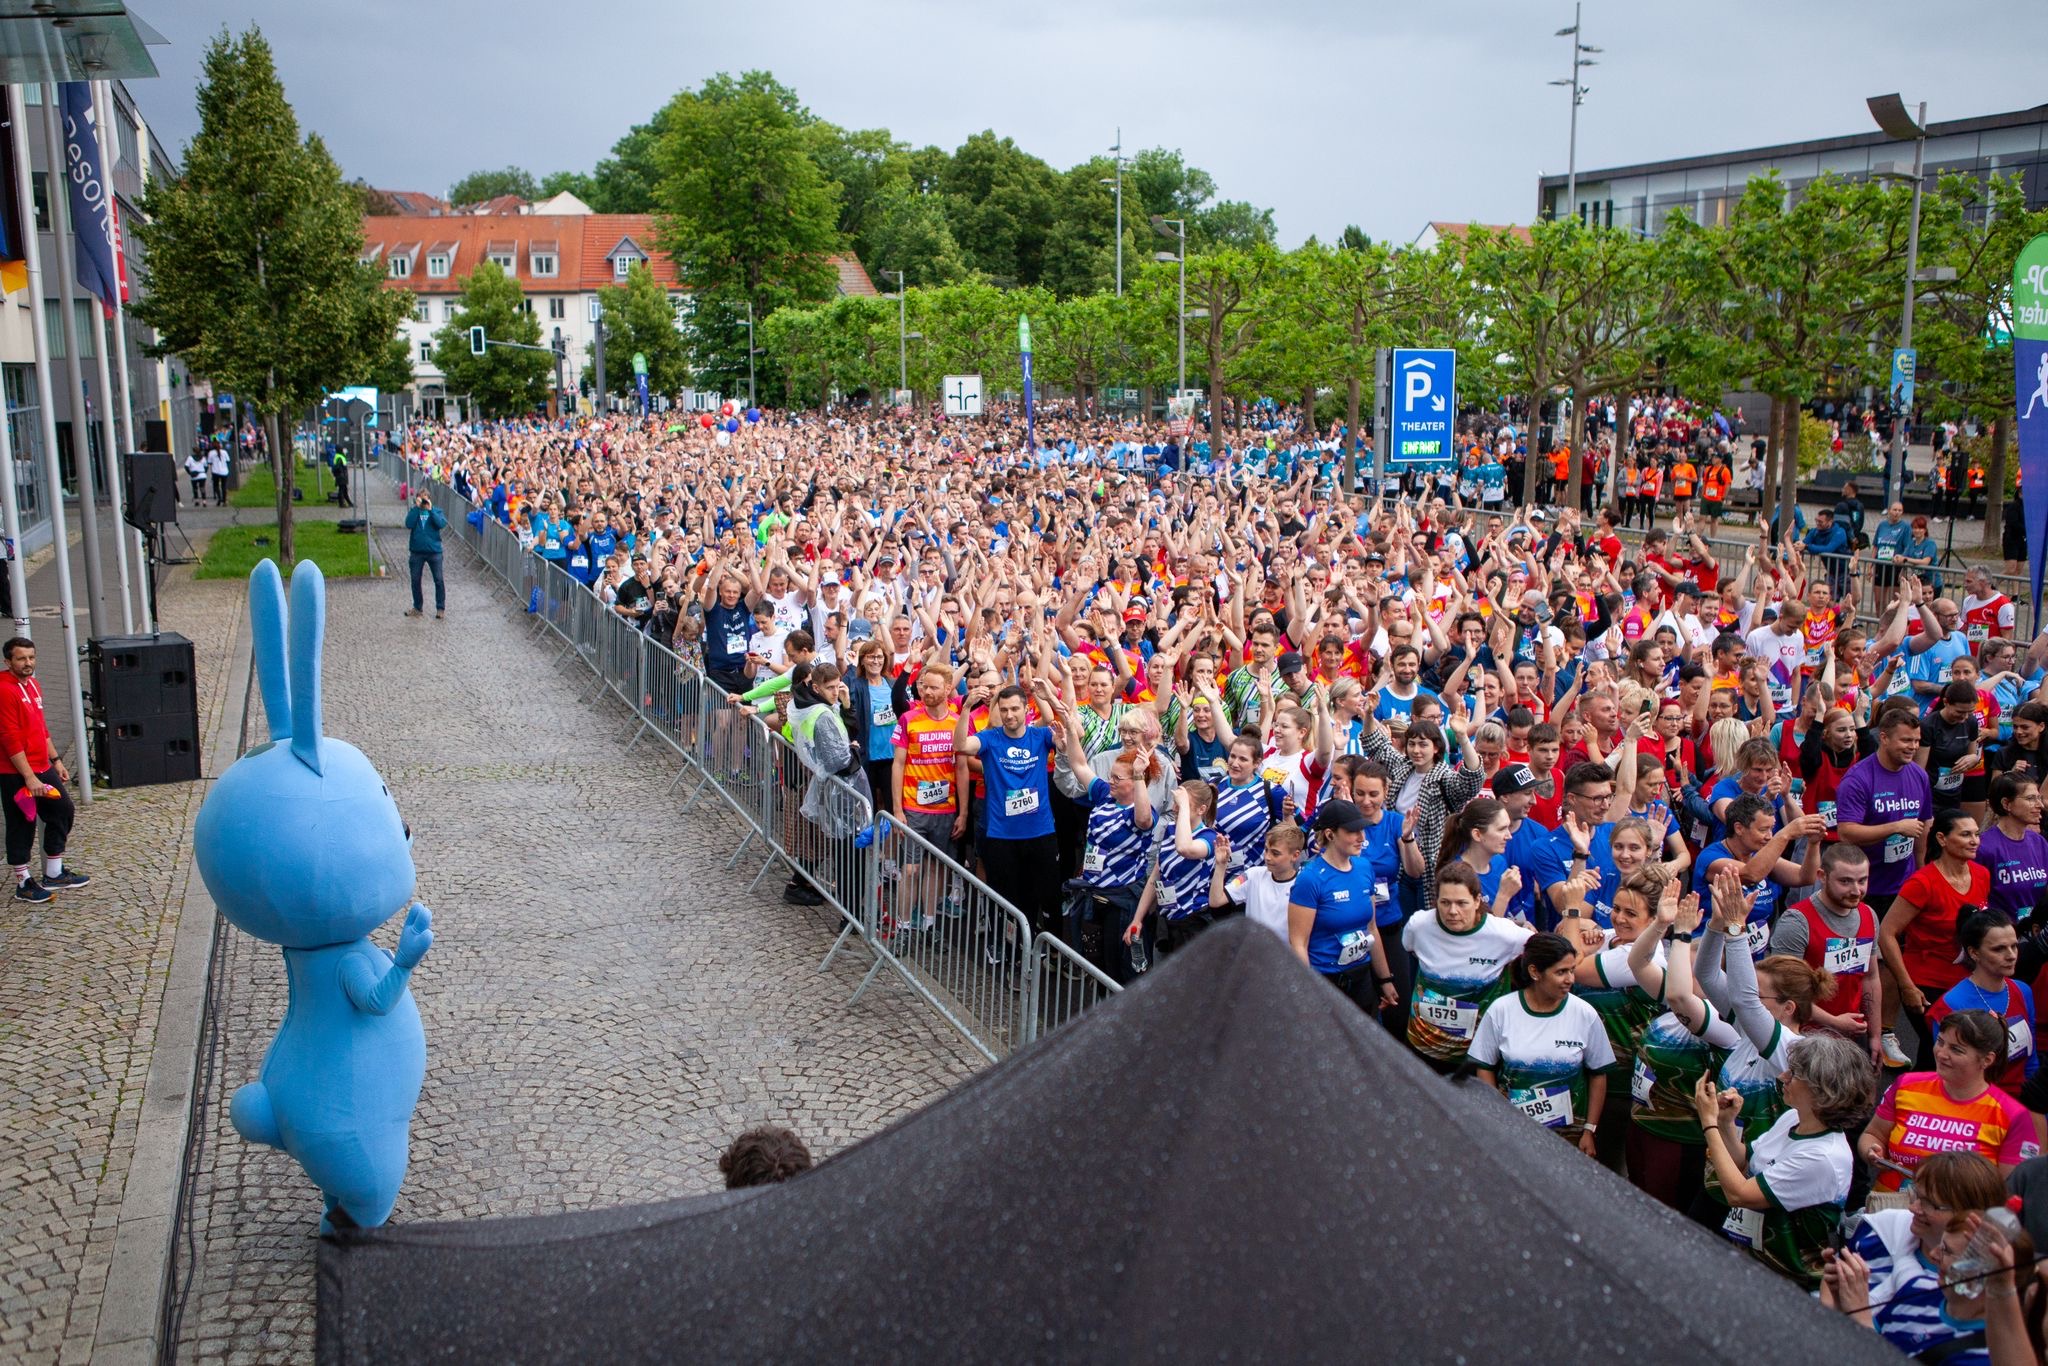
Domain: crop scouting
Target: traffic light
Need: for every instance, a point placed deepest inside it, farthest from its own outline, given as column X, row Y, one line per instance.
column 476, row 341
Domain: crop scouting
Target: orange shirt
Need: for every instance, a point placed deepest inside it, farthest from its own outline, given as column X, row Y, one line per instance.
column 1714, row 481
column 1925, row 1121
column 1682, row 476
column 1561, row 462
column 926, row 744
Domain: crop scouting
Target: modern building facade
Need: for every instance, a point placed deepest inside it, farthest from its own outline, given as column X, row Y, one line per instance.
column 1644, row 196
column 561, row 259
column 163, row 407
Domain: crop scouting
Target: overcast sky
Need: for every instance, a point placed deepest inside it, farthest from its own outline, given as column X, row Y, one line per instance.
column 1329, row 111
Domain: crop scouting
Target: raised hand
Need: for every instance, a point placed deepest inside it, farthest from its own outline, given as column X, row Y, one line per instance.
column 416, row 937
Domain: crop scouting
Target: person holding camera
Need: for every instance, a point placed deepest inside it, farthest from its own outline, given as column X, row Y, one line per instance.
column 423, row 524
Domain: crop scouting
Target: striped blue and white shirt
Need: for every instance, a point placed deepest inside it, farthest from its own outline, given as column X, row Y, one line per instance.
column 1118, row 853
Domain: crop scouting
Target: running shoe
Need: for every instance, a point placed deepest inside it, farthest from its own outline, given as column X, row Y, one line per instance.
column 70, row 877
column 30, row 890
column 1894, row 1056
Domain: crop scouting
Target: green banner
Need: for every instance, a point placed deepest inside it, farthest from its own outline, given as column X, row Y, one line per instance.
column 2030, row 291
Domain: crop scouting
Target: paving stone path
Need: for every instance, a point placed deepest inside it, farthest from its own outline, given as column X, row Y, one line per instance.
column 605, row 1005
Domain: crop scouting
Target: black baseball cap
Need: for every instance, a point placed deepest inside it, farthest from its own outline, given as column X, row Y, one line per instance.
column 1340, row 815
column 1292, row 662
column 1511, row 780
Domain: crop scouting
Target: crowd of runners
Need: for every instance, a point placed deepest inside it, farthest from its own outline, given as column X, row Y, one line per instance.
column 1735, row 892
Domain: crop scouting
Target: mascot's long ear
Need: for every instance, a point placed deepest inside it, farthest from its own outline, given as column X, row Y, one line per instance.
column 266, row 630
column 308, row 630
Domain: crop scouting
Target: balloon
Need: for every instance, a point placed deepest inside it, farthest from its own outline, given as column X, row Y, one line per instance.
column 728, row 408
column 732, row 424
column 706, row 419
column 753, row 414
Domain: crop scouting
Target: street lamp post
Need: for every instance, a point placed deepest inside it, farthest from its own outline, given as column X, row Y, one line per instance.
column 902, row 331
column 1117, row 151
column 1180, row 237
column 1891, row 116
column 750, row 353
column 1579, row 60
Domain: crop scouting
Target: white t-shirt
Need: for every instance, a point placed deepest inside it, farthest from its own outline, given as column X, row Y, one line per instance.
column 1799, row 1172
column 1782, row 657
column 1540, row 1058
column 769, row 647
column 1264, row 899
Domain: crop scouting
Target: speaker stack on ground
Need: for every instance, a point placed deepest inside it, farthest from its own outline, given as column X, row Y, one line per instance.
column 143, row 713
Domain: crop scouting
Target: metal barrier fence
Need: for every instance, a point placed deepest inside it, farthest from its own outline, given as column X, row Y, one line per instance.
column 954, row 941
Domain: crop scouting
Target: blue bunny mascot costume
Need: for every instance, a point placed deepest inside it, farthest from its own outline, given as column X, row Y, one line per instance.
column 302, row 846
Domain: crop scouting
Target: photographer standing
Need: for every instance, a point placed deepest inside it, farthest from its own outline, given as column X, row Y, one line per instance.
column 424, row 523
column 31, row 789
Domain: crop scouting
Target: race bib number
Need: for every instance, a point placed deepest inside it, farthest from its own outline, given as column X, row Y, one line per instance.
column 1826, row 812
column 2019, row 1039
column 1212, row 773
column 1886, row 554
column 735, row 644
column 934, row 791
column 1640, row 1081
column 1846, row 957
column 1353, row 947
column 1745, row 1226
column 1948, row 780
column 1453, row 1017
column 1022, row 802
column 1550, row 1106
column 1381, row 893
column 1977, row 633
column 1092, row 862
column 1898, row 848
column 883, row 716
column 1757, row 935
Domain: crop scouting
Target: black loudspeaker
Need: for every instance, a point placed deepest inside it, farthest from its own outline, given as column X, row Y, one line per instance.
column 156, row 434
column 152, row 485
column 144, row 714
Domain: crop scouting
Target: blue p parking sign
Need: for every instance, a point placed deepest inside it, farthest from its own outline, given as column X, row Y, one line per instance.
column 1425, row 404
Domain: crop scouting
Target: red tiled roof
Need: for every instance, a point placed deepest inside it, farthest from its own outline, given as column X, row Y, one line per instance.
column 414, row 201
column 1461, row 229
column 582, row 243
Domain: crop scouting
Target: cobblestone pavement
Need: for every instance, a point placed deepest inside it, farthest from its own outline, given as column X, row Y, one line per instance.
column 81, row 978
column 604, row 1004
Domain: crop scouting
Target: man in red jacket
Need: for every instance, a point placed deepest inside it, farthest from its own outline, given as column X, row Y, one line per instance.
column 32, row 788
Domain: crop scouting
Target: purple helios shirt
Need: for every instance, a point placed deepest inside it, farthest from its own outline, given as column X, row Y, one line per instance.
column 1871, row 794
column 2019, row 869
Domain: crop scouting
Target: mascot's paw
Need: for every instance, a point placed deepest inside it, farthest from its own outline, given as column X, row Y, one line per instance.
column 416, row 938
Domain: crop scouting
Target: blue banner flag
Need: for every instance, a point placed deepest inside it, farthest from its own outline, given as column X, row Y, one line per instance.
column 2030, row 375
column 92, row 211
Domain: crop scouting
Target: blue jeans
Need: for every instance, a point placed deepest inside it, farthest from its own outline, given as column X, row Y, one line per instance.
column 422, row 559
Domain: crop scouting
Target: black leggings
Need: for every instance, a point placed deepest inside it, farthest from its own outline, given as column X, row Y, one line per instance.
column 56, row 812
column 1026, row 874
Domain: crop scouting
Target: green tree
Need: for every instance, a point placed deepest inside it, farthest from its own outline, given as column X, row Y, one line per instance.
column 624, row 181
column 1233, row 223
column 909, row 233
column 255, row 257
column 1347, row 302
column 744, row 208
column 999, row 201
column 639, row 318
column 1164, row 184
column 1353, row 238
column 504, row 381
column 1080, row 251
column 478, row 186
column 1228, row 283
column 869, row 167
column 1963, row 327
column 390, row 369
column 1798, row 294
column 1079, row 343
column 579, row 183
column 1629, row 303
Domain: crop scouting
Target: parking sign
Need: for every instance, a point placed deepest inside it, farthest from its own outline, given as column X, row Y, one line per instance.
column 1425, row 404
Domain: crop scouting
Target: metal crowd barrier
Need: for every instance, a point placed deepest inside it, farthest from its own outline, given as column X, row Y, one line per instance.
column 953, row 941
column 1062, row 985
column 962, row 947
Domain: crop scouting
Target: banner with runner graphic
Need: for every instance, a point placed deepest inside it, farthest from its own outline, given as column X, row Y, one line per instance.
column 2030, row 387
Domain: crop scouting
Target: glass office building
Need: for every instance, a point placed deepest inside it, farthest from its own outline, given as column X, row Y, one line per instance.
column 1707, row 188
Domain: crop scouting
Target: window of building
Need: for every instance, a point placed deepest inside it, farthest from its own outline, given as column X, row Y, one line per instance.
column 447, row 310
column 423, row 311
column 526, row 306
column 437, row 267
column 558, row 309
column 596, row 308
column 544, row 266
column 622, row 267
column 401, row 266
column 503, row 260
column 39, row 189
column 124, row 136
column 427, row 352
column 82, row 321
